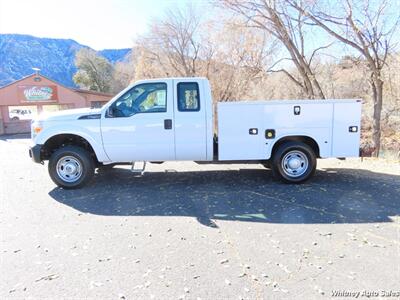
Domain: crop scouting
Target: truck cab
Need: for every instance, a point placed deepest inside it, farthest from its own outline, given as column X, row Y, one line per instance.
column 173, row 119
column 159, row 120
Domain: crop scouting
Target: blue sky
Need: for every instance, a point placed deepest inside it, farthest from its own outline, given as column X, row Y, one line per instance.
column 99, row 24
column 103, row 24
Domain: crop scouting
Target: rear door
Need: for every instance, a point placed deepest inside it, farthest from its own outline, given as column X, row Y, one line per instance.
column 190, row 120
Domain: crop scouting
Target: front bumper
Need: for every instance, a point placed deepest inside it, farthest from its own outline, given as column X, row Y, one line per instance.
column 34, row 153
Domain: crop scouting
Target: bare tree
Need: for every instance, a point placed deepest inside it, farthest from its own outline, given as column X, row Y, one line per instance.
column 180, row 45
column 172, row 41
column 123, row 74
column 285, row 24
column 234, row 68
column 94, row 71
column 366, row 27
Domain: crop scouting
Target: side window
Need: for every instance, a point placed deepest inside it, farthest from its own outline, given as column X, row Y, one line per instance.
column 143, row 98
column 188, row 96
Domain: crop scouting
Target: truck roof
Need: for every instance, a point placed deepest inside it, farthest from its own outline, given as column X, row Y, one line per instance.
column 173, row 78
column 288, row 101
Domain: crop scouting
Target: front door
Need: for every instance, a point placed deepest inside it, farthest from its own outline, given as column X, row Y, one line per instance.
column 138, row 125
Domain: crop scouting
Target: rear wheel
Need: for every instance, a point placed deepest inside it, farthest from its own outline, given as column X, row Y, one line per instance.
column 71, row 167
column 294, row 162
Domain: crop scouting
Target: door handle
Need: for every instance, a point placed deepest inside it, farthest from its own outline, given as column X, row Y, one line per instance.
column 167, row 124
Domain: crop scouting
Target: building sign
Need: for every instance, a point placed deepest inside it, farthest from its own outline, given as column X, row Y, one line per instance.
column 37, row 92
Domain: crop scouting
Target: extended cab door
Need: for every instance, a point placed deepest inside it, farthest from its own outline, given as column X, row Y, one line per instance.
column 138, row 126
column 190, row 101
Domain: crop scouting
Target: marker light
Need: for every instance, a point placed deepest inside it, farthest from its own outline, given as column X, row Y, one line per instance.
column 37, row 129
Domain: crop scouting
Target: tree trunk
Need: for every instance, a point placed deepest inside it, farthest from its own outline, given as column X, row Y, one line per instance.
column 320, row 93
column 377, row 91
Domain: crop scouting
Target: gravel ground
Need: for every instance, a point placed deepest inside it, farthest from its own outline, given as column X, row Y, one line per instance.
column 189, row 231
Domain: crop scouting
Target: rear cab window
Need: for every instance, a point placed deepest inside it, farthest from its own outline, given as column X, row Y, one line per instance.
column 188, row 96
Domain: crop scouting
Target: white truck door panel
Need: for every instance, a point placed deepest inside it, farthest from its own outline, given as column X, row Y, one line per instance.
column 235, row 142
column 345, row 142
column 142, row 136
column 190, row 120
column 311, row 115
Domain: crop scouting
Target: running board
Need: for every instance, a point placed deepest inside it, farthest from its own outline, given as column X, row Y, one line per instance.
column 137, row 171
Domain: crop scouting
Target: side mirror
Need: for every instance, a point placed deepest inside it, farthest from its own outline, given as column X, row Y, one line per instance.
column 110, row 112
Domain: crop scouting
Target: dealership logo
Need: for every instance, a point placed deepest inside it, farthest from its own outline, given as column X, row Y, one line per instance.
column 38, row 93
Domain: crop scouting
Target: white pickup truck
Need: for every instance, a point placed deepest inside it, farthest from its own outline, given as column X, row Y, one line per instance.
column 172, row 119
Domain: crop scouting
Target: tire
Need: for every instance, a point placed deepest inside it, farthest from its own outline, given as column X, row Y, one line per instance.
column 15, row 119
column 293, row 162
column 71, row 167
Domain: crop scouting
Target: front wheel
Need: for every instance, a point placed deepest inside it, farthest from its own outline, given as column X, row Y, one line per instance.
column 71, row 167
column 294, row 162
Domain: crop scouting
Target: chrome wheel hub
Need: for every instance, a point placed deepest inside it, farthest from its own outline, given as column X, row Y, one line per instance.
column 294, row 163
column 69, row 168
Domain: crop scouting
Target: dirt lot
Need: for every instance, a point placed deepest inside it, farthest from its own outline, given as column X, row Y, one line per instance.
column 189, row 231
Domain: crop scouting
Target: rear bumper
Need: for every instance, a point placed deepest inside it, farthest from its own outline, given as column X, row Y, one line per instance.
column 34, row 153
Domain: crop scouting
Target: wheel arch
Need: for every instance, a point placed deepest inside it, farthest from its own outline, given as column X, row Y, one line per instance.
column 308, row 140
column 59, row 140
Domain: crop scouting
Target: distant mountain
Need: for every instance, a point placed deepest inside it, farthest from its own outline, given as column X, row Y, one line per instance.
column 114, row 55
column 54, row 57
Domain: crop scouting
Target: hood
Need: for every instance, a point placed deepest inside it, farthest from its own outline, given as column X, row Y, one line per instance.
column 70, row 114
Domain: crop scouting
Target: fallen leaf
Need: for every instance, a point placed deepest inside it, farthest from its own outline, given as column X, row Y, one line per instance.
column 48, row 277
column 224, row 261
